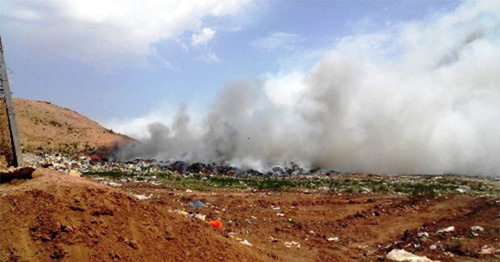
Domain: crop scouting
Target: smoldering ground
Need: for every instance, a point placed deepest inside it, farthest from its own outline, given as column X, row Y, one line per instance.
column 419, row 97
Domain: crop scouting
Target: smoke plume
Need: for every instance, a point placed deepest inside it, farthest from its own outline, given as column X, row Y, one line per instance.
column 419, row 97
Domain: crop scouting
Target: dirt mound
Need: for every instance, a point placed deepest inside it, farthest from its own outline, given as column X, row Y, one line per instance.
column 46, row 127
column 55, row 216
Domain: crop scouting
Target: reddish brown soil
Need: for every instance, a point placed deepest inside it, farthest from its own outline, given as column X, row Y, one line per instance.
column 368, row 226
column 46, row 127
column 58, row 217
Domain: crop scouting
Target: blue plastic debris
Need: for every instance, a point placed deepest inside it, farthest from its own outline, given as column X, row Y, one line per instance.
column 197, row 204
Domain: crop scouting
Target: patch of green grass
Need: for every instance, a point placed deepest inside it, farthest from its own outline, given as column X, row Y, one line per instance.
column 416, row 187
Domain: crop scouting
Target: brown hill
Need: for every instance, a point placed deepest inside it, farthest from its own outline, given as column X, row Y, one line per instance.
column 56, row 216
column 44, row 126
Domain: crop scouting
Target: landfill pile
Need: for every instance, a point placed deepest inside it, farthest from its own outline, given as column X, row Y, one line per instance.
column 160, row 211
column 101, row 164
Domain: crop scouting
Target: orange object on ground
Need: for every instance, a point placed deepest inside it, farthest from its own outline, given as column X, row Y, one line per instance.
column 215, row 224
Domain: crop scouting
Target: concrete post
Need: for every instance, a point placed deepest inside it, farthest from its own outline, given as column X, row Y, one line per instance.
column 14, row 135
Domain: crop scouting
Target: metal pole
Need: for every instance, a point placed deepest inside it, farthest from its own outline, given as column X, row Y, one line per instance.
column 14, row 135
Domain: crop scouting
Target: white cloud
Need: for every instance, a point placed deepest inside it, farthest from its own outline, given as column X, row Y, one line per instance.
column 203, row 37
column 277, row 40
column 106, row 32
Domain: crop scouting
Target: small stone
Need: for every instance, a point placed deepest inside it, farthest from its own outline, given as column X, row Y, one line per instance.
column 133, row 244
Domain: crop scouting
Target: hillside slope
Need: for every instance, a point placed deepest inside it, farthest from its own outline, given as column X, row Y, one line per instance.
column 44, row 126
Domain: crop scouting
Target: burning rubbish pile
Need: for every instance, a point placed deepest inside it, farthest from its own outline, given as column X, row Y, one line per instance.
column 95, row 163
column 203, row 176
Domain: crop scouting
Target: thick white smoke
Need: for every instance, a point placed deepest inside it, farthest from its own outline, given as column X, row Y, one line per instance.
column 420, row 97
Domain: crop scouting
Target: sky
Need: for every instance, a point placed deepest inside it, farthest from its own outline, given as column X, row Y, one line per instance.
column 367, row 86
column 112, row 59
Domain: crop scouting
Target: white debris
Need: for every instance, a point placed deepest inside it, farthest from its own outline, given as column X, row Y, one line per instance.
column 446, row 230
column 402, row 255
column 477, row 228
column 432, row 247
column 291, row 244
column 280, row 214
column 111, row 183
column 246, row 243
column 335, row 239
column 487, row 250
column 143, row 197
column 189, row 190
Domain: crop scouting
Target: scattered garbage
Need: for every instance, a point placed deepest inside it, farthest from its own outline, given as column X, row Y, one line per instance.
column 143, row 197
column 215, row 224
column 292, row 244
column 189, row 191
column 246, row 243
column 446, row 230
column 477, row 228
column 432, row 247
column 402, row 255
column 197, row 204
column 335, row 239
column 486, row 250
column 280, row 214
column 111, row 183
column 463, row 189
column 200, row 217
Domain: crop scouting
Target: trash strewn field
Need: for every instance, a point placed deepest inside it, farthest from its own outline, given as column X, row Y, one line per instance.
column 126, row 212
column 338, row 217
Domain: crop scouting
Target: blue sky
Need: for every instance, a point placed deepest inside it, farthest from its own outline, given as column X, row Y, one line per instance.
column 45, row 47
column 372, row 86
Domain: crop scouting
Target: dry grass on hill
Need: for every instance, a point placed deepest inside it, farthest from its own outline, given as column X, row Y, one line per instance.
column 46, row 127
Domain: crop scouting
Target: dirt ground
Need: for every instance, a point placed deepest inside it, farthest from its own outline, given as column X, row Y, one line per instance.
column 58, row 217
column 367, row 226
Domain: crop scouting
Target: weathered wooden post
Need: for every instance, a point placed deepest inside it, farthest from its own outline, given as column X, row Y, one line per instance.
column 17, row 159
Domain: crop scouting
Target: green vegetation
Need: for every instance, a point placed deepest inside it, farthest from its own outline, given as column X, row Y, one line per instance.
column 416, row 186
